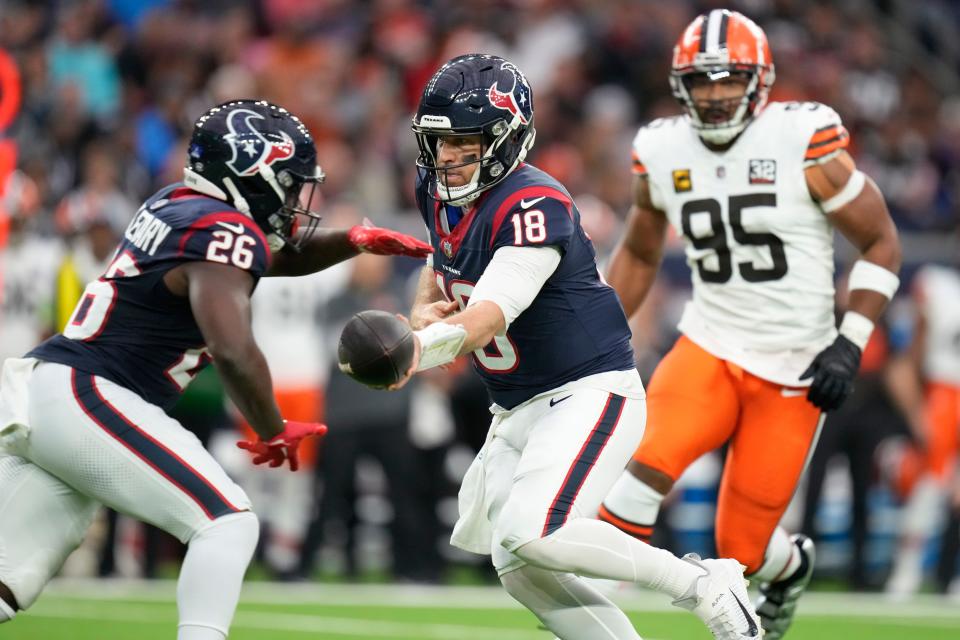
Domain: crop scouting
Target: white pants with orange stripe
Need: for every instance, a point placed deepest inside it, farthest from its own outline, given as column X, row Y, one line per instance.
column 547, row 461
column 81, row 440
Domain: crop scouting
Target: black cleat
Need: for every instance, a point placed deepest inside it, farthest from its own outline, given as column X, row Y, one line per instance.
column 778, row 600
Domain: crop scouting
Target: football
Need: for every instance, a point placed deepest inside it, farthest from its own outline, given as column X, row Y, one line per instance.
column 376, row 348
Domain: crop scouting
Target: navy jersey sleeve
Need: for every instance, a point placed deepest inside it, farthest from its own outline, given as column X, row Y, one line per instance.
column 227, row 238
column 534, row 221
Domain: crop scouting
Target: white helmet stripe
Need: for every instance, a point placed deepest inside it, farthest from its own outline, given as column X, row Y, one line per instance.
column 713, row 30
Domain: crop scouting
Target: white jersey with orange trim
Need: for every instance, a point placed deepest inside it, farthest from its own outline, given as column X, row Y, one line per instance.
column 28, row 275
column 937, row 290
column 759, row 246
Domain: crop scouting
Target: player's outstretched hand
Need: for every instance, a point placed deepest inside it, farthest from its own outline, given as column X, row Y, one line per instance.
column 833, row 371
column 386, row 242
column 283, row 446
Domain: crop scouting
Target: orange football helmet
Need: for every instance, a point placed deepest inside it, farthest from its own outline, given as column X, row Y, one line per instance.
column 718, row 45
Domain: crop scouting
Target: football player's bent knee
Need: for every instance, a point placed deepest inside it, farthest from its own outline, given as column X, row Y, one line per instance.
column 240, row 531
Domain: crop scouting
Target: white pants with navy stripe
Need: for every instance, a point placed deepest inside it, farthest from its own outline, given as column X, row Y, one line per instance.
column 83, row 440
column 547, row 461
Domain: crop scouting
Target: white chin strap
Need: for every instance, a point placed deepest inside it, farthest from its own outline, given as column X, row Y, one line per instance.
column 459, row 196
column 201, row 185
column 722, row 134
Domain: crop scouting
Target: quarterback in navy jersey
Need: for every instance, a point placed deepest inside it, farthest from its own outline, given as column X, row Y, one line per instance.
column 513, row 280
column 82, row 416
column 573, row 328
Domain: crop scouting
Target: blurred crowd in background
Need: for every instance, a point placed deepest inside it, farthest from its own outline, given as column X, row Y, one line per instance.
column 108, row 93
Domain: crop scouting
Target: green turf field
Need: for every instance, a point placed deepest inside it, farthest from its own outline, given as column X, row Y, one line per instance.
column 146, row 611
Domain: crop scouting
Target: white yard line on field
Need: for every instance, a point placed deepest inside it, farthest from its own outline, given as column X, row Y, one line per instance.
column 302, row 623
column 926, row 607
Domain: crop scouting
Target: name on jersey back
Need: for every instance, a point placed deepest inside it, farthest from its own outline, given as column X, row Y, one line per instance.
column 147, row 232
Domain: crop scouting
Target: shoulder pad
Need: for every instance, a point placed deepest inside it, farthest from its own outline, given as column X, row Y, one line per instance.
column 227, row 237
column 534, row 216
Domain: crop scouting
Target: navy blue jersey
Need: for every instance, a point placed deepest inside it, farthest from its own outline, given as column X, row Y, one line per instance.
column 128, row 327
column 574, row 328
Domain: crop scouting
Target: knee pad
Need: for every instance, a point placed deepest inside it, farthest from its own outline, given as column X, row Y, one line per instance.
column 42, row 523
column 240, row 530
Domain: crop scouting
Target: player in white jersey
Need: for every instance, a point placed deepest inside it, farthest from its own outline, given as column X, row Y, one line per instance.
column 931, row 396
column 756, row 190
column 28, row 269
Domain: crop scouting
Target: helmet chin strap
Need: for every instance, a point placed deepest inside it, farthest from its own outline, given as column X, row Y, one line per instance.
column 238, row 200
column 201, row 185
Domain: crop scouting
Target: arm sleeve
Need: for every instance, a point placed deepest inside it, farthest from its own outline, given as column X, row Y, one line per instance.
column 829, row 136
column 514, row 277
column 545, row 221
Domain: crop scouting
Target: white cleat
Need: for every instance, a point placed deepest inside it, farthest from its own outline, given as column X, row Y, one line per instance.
column 778, row 600
column 719, row 598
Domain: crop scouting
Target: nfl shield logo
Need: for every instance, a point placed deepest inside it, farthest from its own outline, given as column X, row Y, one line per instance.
column 447, row 248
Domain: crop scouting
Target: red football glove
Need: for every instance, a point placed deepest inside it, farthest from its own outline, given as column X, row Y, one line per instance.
column 385, row 242
column 283, row 446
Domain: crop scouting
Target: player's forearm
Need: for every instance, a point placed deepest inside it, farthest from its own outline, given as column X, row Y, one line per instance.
column 481, row 321
column 884, row 252
column 325, row 248
column 246, row 377
column 631, row 276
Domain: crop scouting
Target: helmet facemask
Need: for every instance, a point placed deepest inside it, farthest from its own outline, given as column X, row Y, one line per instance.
column 742, row 109
column 294, row 221
column 499, row 141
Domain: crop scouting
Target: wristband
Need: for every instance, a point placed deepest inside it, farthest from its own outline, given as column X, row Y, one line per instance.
column 439, row 344
column 867, row 275
column 856, row 328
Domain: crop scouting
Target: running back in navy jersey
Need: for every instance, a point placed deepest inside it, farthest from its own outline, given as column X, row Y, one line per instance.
column 574, row 328
column 128, row 327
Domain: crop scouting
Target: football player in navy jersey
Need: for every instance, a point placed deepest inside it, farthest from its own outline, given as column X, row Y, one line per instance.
column 513, row 280
column 82, row 416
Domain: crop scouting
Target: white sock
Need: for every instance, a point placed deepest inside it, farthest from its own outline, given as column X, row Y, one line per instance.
column 633, row 500
column 6, row 611
column 567, row 605
column 922, row 515
column 599, row 550
column 781, row 559
column 212, row 574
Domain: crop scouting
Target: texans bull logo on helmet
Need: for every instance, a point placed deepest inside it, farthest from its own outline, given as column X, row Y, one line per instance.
column 516, row 99
column 251, row 148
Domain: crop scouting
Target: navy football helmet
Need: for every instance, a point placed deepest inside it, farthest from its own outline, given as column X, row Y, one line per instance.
column 475, row 94
column 258, row 157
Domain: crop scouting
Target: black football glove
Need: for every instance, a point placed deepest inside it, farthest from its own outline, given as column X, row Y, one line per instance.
column 833, row 371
